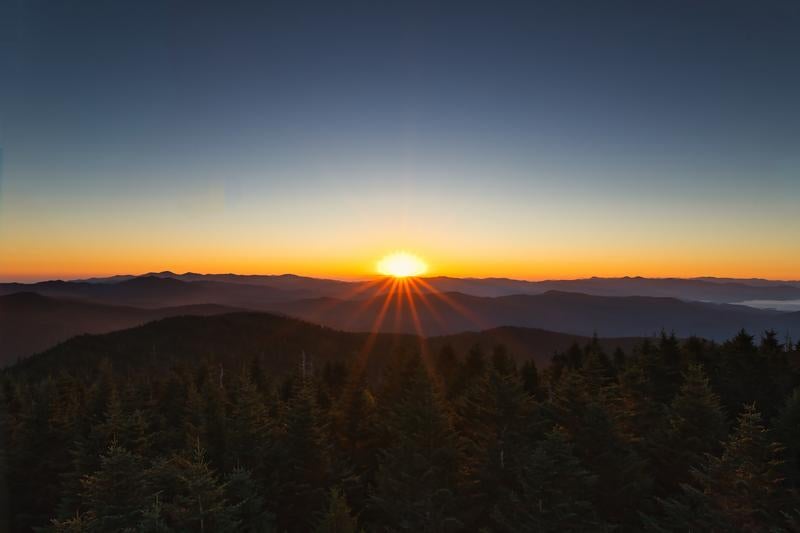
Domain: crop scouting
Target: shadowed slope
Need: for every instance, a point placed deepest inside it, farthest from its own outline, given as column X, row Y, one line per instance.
column 31, row 322
column 279, row 342
column 574, row 313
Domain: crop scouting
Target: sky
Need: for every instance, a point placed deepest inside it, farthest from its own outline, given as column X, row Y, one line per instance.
column 523, row 139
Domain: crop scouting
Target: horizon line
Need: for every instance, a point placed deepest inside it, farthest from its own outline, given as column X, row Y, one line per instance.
column 358, row 279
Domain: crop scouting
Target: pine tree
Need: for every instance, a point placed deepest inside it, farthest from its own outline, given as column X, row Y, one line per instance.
column 471, row 371
column 596, row 429
column 745, row 376
column 30, row 462
column 622, row 482
column 495, row 422
column 169, row 409
column 530, row 379
column 554, row 492
column 5, row 438
column 247, row 505
column 619, row 359
column 73, row 524
column 740, row 490
column 192, row 497
column 745, row 481
column 114, row 496
column 782, row 378
column 641, row 415
column 356, row 431
column 304, row 463
column 356, row 419
column 696, row 427
column 502, row 362
column 152, row 521
column 338, row 518
column 416, row 484
column 247, row 431
column 787, row 431
column 448, row 367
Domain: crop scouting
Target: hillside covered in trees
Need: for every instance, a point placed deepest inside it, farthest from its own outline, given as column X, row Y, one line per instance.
column 668, row 436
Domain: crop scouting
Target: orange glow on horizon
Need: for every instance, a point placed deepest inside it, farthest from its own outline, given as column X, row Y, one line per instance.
column 36, row 264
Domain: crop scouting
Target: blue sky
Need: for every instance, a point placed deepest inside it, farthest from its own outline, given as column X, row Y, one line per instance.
column 551, row 137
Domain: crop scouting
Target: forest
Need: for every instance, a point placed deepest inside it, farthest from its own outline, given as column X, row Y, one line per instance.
column 677, row 435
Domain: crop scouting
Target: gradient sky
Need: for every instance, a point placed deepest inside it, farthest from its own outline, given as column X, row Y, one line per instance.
column 525, row 139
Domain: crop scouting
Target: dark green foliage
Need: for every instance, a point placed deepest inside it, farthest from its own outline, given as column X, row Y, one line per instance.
column 182, row 439
column 745, row 482
column 739, row 490
column 695, row 427
column 303, row 467
column 417, row 482
column 5, row 510
column 247, row 504
column 554, row 491
column 193, row 498
column 495, row 419
column 338, row 518
column 787, row 432
column 247, row 426
column 530, row 379
column 116, row 494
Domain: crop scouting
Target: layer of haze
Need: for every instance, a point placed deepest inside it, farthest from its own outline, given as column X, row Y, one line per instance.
column 530, row 139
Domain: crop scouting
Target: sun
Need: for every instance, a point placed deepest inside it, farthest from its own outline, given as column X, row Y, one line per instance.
column 402, row 265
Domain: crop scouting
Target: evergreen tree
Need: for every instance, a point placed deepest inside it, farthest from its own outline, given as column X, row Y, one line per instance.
column 247, row 432
column 740, row 490
column 448, row 367
column 30, row 460
column 152, row 521
column 622, row 481
column 496, row 424
column 192, row 497
column 787, row 431
column 304, row 462
column 247, row 504
column 530, row 378
column 356, row 432
column 573, row 446
column 72, row 524
column 338, row 518
column 416, row 484
column 114, row 496
column 5, row 423
column 745, row 481
column 696, row 427
column 554, row 492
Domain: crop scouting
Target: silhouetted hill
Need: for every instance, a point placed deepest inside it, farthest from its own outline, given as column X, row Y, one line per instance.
column 356, row 306
column 279, row 342
column 153, row 291
column 30, row 322
column 233, row 339
column 573, row 313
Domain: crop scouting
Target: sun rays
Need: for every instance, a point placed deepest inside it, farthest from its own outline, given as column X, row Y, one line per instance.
column 395, row 303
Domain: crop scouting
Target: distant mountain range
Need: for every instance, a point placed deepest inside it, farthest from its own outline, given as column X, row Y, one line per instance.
column 30, row 322
column 717, row 290
column 50, row 312
column 574, row 313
